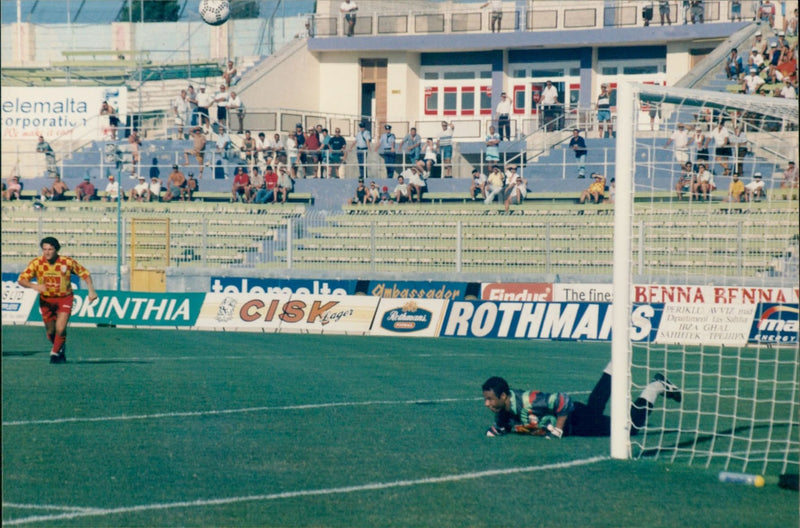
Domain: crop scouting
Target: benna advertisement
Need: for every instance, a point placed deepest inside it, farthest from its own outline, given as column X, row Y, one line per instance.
column 54, row 112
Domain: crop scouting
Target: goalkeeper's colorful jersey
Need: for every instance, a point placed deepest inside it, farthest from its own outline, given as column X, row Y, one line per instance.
column 56, row 276
column 534, row 407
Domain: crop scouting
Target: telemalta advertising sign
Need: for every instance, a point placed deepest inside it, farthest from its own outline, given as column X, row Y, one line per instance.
column 54, row 112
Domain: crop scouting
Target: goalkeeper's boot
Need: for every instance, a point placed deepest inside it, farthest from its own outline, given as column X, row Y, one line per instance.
column 673, row 392
column 58, row 358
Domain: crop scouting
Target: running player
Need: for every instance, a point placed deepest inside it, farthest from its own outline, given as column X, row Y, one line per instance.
column 555, row 414
column 52, row 274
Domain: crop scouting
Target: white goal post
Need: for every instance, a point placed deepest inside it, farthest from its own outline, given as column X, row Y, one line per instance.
column 711, row 280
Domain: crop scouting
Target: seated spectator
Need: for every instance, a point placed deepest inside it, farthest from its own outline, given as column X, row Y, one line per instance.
column 240, row 190
column 175, row 184
column 374, row 195
column 57, row 191
column 494, row 185
column 285, row 184
column 417, row 181
column 402, row 193
column 704, row 184
column 754, row 190
column 112, row 192
column 224, row 143
column 596, row 190
column 735, row 189
column 154, row 190
column 276, row 150
column 734, row 66
column 256, row 183
column 478, row 188
column 85, row 191
column 516, row 192
column 198, row 147
column 755, row 60
column 385, row 197
column 267, row 192
column 13, row 189
column 790, row 181
column 788, row 91
column 140, row 191
column 773, row 75
column 191, row 187
column 686, row 180
column 361, row 194
column 752, row 82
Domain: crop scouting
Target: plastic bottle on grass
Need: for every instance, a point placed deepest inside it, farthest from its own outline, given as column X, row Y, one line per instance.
column 742, row 478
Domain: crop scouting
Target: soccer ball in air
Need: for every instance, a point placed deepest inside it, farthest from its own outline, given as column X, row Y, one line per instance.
column 215, row 12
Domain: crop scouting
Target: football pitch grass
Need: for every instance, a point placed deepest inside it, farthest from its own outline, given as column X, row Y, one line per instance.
column 159, row 428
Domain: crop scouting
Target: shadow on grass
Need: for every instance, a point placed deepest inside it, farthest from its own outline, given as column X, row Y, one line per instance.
column 704, row 439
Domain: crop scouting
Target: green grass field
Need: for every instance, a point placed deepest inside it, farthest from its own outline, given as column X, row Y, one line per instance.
column 170, row 428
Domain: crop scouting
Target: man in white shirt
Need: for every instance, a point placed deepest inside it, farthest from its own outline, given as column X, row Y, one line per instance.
column 112, row 190
column 183, row 113
column 204, row 103
column 515, row 192
column 754, row 189
column 722, row 148
column 349, row 9
column 139, row 191
column 401, row 192
column 680, row 138
column 503, row 115
column 788, row 91
column 221, row 100
column 549, row 105
column 752, row 82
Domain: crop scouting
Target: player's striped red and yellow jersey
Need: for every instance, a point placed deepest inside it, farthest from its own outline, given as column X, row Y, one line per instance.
column 56, row 276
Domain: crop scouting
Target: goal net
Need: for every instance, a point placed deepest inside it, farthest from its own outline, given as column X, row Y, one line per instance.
column 706, row 277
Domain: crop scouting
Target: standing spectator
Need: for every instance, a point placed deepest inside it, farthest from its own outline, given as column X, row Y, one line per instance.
column 766, row 13
column 291, row 152
column 361, row 194
column 221, row 100
column 755, row 189
column 445, row 146
column 548, row 102
column 735, row 189
column 311, row 153
column 503, row 115
column 113, row 120
column 135, row 142
column 140, row 191
column 734, row 66
column 654, row 111
column 686, row 181
column 349, row 10
column 191, row 96
column 361, row 144
column 155, row 172
column 790, row 181
column 515, row 192
column 738, row 141
column 198, row 147
column 112, row 190
column 240, row 190
column 411, row 147
column 175, row 184
column 698, row 11
column 13, row 189
column 325, row 152
column 790, row 24
column 705, row 183
column 680, row 139
column 154, row 194
column 337, row 146
column 262, row 147
column 191, row 187
column 492, row 146
column 699, row 143
column 722, row 149
column 236, row 106
column 386, row 148
column 596, row 190
column 578, row 145
column 285, row 184
column 478, row 187
column 248, row 148
column 85, row 191
column 736, row 10
column 663, row 11
column 57, row 192
column 182, row 109
column 496, row 14
column 229, row 74
column 49, row 156
column 204, row 103
column 752, row 83
column 494, row 185
column 402, row 193
column 647, row 14
column 52, row 274
column 604, row 111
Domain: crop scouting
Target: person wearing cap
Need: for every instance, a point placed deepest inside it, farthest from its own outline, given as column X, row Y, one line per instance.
column 578, row 145
column 385, row 196
column 755, row 189
column 759, row 43
column 478, row 187
column 386, row 147
column 140, row 190
column 337, row 146
column 680, row 140
column 752, row 82
column 285, row 184
column 112, row 190
column 735, row 189
column 503, row 116
column 175, row 184
column 755, row 60
column 775, row 53
column 240, row 189
column 85, row 191
column 788, row 91
column 734, row 66
column 495, row 183
column 515, row 192
column 604, row 111
column 362, row 144
column 154, row 189
column 57, row 192
column 596, row 189
column 790, row 181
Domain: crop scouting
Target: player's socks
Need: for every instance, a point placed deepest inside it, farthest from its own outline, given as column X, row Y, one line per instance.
column 652, row 391
column 51, row 337
column 58, row 343
column 607, row 370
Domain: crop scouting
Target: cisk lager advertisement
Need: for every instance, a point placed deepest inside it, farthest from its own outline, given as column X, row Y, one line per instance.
column 409, row 317
column 342, row 314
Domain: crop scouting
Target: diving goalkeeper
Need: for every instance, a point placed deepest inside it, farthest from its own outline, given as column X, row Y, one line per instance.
column 555, row 414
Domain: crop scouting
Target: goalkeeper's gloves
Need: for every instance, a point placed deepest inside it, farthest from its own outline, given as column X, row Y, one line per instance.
column 554, row 431
column 496, row 431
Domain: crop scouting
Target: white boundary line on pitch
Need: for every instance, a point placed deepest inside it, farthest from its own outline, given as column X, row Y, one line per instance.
column 99, row 512
column 243, row 410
